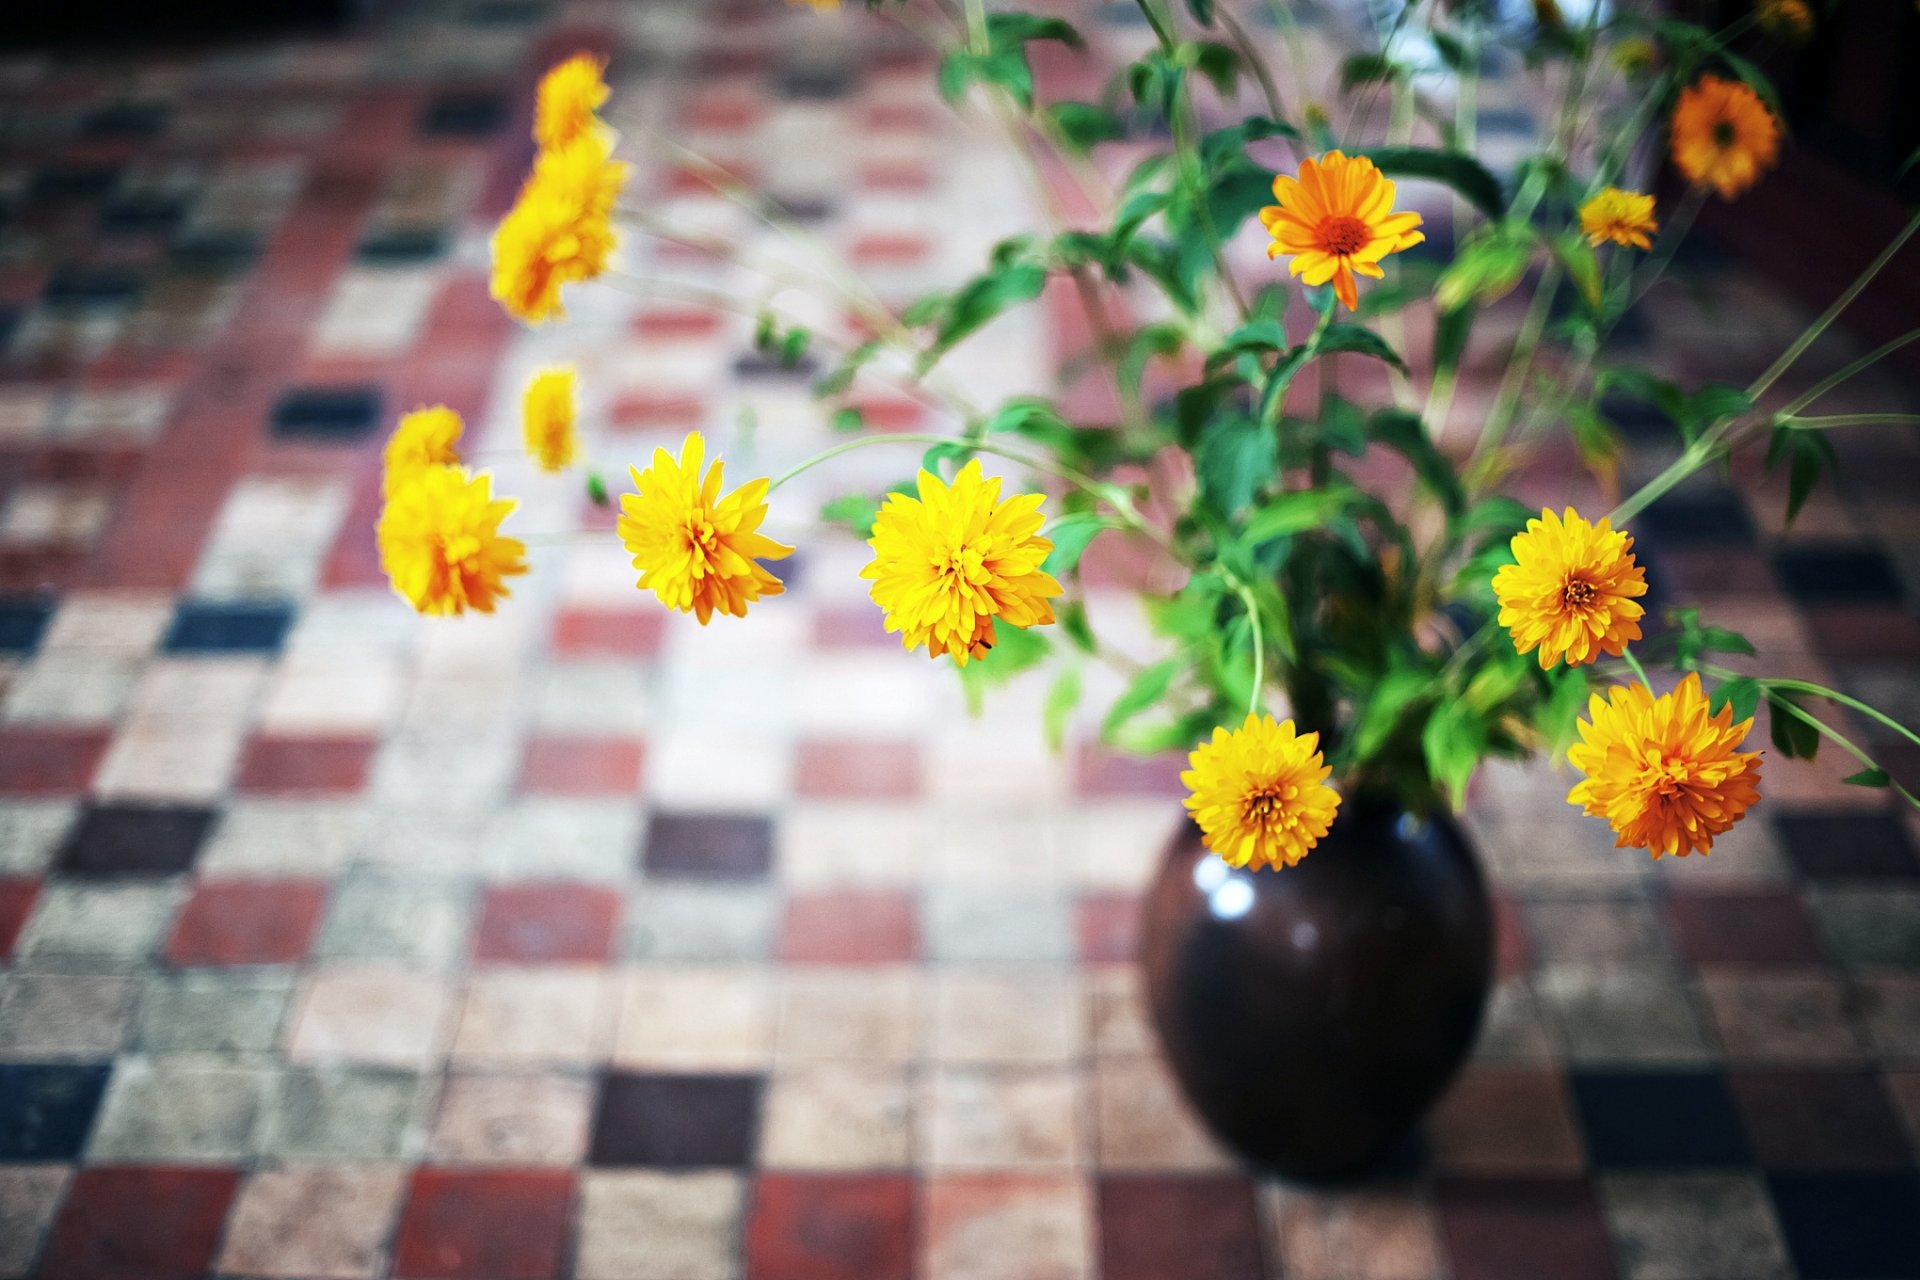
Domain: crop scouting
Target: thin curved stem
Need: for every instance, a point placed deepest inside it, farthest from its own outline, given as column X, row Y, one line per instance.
column 1832, row 313
column 1851, row 420
column 1245, row 593
column 1834, row 380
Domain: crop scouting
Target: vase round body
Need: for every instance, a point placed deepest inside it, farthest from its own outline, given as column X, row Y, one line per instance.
column 1313, row 1013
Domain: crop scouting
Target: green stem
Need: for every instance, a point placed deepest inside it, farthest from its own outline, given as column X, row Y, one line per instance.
column 1834, row 695
column 1245, row 593
column 1832, row 313
column 1633, row 664
column 1520, row 361
column 1844, row 743
column 1827, row 384
column 1850, row 420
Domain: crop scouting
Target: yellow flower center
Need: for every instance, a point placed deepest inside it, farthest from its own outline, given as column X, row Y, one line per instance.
column 960, row 563
column 1578, row 593
column 1269, row 806
column 699, row 535
column 457, row 549
column 1344, row 235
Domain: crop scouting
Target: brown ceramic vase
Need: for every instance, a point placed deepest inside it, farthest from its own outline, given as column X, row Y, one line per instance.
column 1313, row 1014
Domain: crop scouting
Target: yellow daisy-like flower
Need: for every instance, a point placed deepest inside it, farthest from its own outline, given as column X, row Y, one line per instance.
column 1571, row 591
column 1664, row 773
column 423, row 438
column 1723, row 135
column 695, row 549
column 1636, row 55
column 1790, row 20
column 440, row 540
column 951, row 563
column 548, row 412
column 568, row 100
column 1624, row 217
column 1336, row 219
column 560, row 230
column 1260, row 793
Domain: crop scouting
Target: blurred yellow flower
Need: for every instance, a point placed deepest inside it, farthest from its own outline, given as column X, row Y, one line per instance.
column 1571, row 591
column 949, row 564
column 822, row 5
column 440, row 540
column 1664, row 773
column 1337, row 219
column 548, row 412
column 560, row 230
column 423, row 438
column 695, row 549
column 1723, row 135
column 1790, row 20
column 1636, row 55
column 1259, row 793
column 566, row 103
column 1624, row 217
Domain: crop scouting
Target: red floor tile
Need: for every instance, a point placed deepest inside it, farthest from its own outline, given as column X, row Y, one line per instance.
column 1770, row 927
column 1099, row 772
column 878, row 926
column 831, row 1227
column 1812, row 1121
column 852, row 627
column 880, row 250
column 612, row 633
column 547, row 924
column 558, row 766
column 666, row 324
column 138, row 1223
column 17, row 896
column 863, row 770
column 506, row 1225
column 305, row 765
column 233, row 922
column 1514, row 1229
column 49, row 762
column 649, row 410
column 1196, row 1228
column 1108, row 927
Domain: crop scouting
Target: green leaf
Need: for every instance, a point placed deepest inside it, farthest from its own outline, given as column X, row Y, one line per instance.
column 1062, row 698
column 597, row 489
column 1451, row 330
column 1367, row 68
column 847, row 419
column 1466, row 175
column 1235, row 458
column 1582, row 264
column 1296, row 512
column 842, row 375
column 1406, row 435
column 1202, row 11
column 1793, row 735
column 1141, row 692
column 1485, row 271
column 1452, row 743
column 1743, row 695
column 981, row 300
column 1009, row 30
column 1164, row 340
column 1359, row 340
column 1070, row 535
column 1082, row 126
column 1015, row 650
column 1597, row 440
column 1005, row 68
column 1219, row 64
column 1868, row 778
column 1808, row 454
column 1559, row 718
column 1385, row 704
column 856, row 511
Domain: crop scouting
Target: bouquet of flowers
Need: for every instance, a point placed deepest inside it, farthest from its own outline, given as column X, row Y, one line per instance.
column 1352, row 562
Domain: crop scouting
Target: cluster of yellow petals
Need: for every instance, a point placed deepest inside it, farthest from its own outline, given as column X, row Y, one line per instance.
column 1624, row 217
column 1723, row 135
column 560, row 229
column 951, row 563
column 548, row 410
column 440, row 540
column 1259, row 793
column 1572, row 589
column 696, row 548
column 1665, row 774
column 568, row 101
column 1335, row 220
column 424, row 438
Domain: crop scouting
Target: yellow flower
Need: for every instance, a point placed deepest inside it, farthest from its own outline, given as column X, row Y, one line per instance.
column 821, row 5
column 949, row 564
column 1662, row 772
column 569, row 96
column 560, row 230
column 1571, row 590
column 1624, row 217
column 1789, row 20
column 1723, row 135
column 548, row 411
column 695, row 549
column 1260, row 793
column 423, row 438
column 1636, row 55
column 440, row 540
column 1337, row 219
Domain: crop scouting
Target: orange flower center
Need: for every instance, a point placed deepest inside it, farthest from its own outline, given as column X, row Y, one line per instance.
column 1269, row 803
column 1344, row 235
column 1578, row 593
column 700, row 535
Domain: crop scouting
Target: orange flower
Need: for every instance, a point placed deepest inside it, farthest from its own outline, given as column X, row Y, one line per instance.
column 1573, row 590
column 1723, row 135
column 1624, row 217
column 1335, row 220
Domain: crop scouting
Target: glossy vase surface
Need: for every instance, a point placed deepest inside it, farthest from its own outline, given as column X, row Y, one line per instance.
column 1312, row 1014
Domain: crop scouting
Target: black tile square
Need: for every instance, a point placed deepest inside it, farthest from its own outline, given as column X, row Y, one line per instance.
column 342, row 414
column 23, row 620
column 1697, row 517
column 1836, row 573
column 676, row 1121
column 92, row 287
column 709, row 846
column 127, row 120
column 814, row 83
column 1850, row 1226
column 464, row 115
column 1658, row 1119
column 220, row 253
column 238, row 626
column 805, row 208
column 46, row 1110
column 72, row 182
column 1641, row 422
column 754, row 364
column 142, row 215
column 133, row 840
column 1847, row 844
column 403, row 247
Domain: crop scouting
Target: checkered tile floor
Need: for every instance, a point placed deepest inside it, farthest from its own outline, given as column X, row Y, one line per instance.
column 580, row 941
